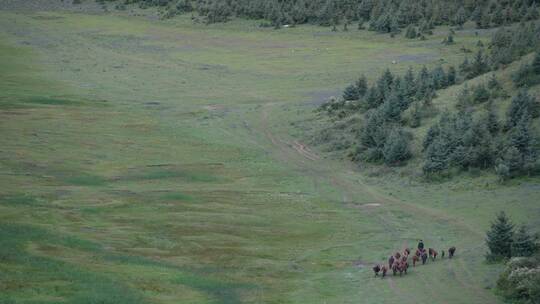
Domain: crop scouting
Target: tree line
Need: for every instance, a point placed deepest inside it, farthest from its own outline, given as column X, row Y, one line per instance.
column 472, row 136
column 379, row 15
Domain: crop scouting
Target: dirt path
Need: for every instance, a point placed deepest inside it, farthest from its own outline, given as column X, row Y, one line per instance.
column 321, row 170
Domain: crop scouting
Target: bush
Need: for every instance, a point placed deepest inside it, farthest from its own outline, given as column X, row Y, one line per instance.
column 520, row 281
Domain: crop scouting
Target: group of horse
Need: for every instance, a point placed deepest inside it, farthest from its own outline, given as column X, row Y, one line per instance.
column 399, row 262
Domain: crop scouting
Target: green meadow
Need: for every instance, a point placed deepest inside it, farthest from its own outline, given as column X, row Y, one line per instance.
column 151, row 161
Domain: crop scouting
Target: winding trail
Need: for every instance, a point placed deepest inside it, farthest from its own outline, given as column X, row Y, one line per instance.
column 342, row 177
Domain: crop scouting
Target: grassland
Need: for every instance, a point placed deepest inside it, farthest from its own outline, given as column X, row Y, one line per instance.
column 151, row 161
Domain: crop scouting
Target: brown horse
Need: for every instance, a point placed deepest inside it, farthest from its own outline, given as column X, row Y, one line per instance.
column 404, row 259
column 397, row 255
column 451, row 251
column 390, row 261
column 377, row 269
column 384, row 270
column 415, row 259
column 405, row 266
column 432, row 253
column 395, row 267
column 407, row 252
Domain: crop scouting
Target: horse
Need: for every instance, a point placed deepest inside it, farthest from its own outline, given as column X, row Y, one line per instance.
column 405, row 266
column 377, row 269
column 407, row 252
column 415, row 259
column 451, row 251
column 390, row 261
column 384, row 270
column 404, row 259
column 432, row 253
column 397, row 255
column 396, row 267
column 424, row 257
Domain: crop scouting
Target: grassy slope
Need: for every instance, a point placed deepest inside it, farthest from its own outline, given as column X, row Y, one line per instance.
column 154, row 162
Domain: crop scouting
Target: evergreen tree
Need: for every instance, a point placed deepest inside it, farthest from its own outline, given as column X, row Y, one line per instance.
column 372, row 137
column 433, row 132
column 495, row 87
column 409, row 84
column 465, row 68
column 351, row 93
column 373, row 97
column 492, row 121
column 391, row 107
column 478, row 66
column 520, row 104
column 480, row 94
column 438, row 78
column 512, row 160
column 460, row 17
column 524, row 244
column 499, row 238
column 396, row 147
column 361, row 86
column 520, row 138
column 451, row 76
column 411, row 32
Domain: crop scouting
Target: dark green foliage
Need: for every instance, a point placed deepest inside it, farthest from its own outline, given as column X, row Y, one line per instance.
column 361, row 86
column 451, row 76
column 416, row 117
column 524, row 244
column 528, row 74
column 386, row 16
column 396, row 148
column 351, row 93
column 458, row 141
column 521, row 103
column 372, row 137
column 495, row 88
column 492, row 121
column 480, row 94
column 508, row 44
column 499, row 238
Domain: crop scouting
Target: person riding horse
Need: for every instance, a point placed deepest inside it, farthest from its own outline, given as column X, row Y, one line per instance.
column 421, row 245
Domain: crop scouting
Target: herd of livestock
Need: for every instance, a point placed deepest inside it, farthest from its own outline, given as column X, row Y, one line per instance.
column 399, row 262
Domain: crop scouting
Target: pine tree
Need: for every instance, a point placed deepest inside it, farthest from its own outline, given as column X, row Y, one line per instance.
column 513, row 160
column 361, row 86
column 373, row 97
column 460, row 17
column 396, row 147
column 351, row 93
column 416, row 117
column 409, row 84
column 411, row 32
column 451, row 76
column 465, row 68
column 480, row 94
column 521, row 103
column 524, row 244
column 492, row 121
column 499, row 238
